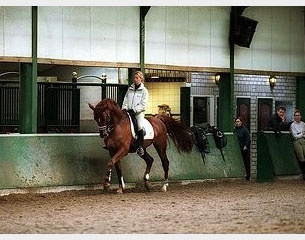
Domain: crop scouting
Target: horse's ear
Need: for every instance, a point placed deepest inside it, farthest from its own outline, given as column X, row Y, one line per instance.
column 91, row 106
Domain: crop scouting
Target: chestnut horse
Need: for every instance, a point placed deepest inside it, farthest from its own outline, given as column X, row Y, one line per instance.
column 115, row 127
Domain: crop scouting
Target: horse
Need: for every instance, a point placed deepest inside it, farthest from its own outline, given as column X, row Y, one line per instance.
column 115, row 126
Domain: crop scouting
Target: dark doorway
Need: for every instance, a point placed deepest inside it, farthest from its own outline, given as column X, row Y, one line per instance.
column 200, row 110
column 185, row 105
column 243, row 110
column 264, row 112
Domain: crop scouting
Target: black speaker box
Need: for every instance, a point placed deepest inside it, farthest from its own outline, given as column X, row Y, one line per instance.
column 243, row 30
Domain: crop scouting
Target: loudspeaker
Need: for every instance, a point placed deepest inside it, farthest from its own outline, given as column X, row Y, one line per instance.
column 242, row 32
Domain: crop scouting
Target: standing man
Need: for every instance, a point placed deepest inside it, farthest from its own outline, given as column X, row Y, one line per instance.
column 135, row 102
column 244, row 141
column 297, row 130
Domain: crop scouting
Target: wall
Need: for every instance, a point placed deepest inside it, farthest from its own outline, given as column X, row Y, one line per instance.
column 180, row 36
column 275, row 156
column 15, row 25
column 164, row 93
column 277, row 42
column 31, row 160
column 250, row 86
column 89, row 33
column 189, row 36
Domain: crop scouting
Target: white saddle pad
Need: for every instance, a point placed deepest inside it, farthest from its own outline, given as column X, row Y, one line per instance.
column 149, row 131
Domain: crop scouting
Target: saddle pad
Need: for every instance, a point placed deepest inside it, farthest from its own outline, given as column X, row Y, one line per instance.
column 148, row 129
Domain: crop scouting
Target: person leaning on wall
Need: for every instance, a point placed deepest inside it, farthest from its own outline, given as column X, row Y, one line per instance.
column 297, row 130
column 244, row 141
column 278, row 121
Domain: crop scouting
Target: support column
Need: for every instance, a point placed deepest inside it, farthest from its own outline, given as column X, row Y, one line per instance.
column 226, row 89
column 143, row 12
column 28, row 86
column 226, row 84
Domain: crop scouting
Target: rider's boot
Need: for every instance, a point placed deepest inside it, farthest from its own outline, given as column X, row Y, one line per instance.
column 140, row 150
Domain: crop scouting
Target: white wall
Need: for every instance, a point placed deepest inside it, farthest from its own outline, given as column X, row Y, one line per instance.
column 15, row 31
column 278, row 43
column 182, row 36
column 89, row 33
column 198, row 36
column 188, row 36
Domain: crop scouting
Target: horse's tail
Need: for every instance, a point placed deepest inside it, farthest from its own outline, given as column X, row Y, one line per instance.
column 178, row 132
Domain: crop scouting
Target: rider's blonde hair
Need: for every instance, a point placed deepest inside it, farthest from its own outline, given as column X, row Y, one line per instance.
column 141, row 75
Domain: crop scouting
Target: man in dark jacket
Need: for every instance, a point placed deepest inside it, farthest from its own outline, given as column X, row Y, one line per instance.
column 278, row 120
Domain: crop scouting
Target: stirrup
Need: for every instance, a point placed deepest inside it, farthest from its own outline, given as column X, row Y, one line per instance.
column 140, row 151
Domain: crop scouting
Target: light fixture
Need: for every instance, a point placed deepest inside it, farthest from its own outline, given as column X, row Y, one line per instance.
column 217, row 78
column 272, row 81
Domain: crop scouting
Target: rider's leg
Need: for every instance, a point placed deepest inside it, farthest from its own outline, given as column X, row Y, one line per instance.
column 140, row 134
column 140, row 150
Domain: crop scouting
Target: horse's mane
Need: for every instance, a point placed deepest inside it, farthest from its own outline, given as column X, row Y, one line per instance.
column 109, row 104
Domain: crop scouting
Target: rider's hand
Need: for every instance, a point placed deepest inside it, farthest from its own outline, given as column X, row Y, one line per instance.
column 131, row 111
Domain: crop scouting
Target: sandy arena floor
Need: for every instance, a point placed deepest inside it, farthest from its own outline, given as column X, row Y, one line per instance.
column 220, row 206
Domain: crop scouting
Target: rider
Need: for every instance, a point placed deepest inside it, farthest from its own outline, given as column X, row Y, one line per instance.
column 135, row 102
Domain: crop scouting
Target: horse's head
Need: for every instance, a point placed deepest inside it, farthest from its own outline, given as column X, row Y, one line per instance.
column 106, row 113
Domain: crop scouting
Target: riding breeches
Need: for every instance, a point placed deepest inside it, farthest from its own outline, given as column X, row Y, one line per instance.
column 140, row 120
column 299, row 149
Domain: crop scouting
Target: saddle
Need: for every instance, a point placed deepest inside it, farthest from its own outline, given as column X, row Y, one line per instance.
column 200, row 139
column 148, row 131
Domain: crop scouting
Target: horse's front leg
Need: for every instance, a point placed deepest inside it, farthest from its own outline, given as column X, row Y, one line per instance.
column 114, row 160
column 107, row 179
column 120, row 177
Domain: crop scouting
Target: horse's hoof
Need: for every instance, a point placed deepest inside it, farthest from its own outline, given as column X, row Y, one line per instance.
column 119, row 190
column 164, row 187
column 106, row 186
column 147, row 185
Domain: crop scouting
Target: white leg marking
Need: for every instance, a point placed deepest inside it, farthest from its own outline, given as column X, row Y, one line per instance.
column 123, row 183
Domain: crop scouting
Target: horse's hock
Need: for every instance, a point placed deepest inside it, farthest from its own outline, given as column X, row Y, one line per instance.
column 43, row 160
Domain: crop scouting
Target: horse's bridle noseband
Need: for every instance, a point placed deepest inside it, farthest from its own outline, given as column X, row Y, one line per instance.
column 106, row 129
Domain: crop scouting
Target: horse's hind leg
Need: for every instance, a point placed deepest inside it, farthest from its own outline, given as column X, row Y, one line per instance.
column 161, row 150
column 149, row 161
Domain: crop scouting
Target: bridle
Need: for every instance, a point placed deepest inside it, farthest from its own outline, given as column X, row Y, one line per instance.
column 106, row 128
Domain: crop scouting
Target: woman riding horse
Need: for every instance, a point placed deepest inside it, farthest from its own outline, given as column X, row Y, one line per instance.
column 134, row 103
column 115, row 127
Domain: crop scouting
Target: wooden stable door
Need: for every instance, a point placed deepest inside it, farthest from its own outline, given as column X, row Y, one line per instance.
column 264, row 113
column 243, row 110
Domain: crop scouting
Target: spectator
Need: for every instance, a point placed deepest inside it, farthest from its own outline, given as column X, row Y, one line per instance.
column 278, row 120
column 244, row 141
column 297, row 130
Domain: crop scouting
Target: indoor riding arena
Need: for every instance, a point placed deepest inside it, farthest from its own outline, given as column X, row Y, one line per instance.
column 69, row 162
column 215, row 206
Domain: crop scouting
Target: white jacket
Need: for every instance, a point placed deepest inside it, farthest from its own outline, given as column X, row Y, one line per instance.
column 136, row 99
column 297, row 130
